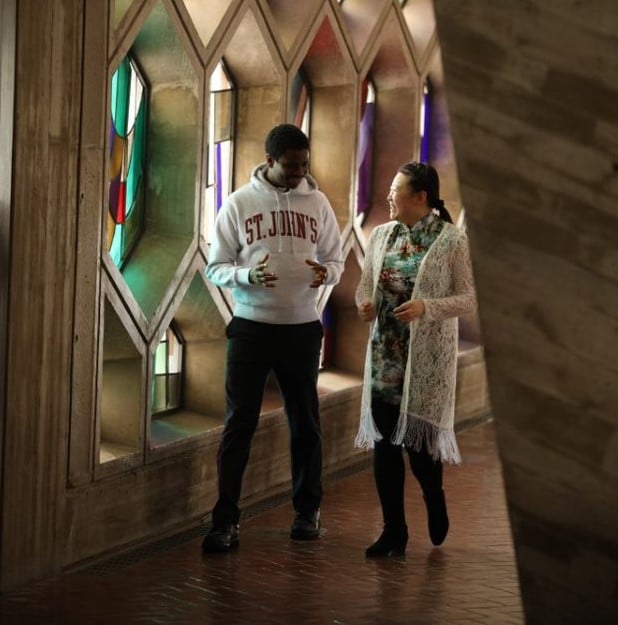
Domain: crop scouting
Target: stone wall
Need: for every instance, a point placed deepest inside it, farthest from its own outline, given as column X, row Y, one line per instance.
column 532, row 93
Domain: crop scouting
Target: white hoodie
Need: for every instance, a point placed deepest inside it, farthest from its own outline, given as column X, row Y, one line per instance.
column 291, row 226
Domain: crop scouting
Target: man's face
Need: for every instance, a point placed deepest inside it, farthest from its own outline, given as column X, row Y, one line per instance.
column 289, row 169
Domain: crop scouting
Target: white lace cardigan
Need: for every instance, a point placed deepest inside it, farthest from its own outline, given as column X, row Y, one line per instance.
column 446, row 286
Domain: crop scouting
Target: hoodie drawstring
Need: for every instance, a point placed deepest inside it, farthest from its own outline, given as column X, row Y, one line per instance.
column 278, row 214
column 287, row 197
column 281, row 219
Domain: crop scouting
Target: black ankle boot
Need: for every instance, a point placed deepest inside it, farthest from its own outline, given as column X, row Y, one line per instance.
column 390, row 543
column 437, row 517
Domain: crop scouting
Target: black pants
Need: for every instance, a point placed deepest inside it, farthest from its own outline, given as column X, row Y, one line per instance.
column 292, row 352
column 389, row 467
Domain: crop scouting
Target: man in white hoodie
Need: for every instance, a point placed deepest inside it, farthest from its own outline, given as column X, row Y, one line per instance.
column 276, row 241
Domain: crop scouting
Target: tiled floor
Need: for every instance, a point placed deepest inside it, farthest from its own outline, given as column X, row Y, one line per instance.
column 471, row 579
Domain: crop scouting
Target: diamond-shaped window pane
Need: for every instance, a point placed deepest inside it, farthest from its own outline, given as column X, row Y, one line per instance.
column 200, row 352
column 154, row 155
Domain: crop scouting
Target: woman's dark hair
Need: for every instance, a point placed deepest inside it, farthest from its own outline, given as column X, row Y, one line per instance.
column 285, row 137
column 423, row 177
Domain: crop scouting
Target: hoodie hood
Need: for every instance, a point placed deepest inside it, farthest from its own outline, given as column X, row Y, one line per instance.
column 260, row 183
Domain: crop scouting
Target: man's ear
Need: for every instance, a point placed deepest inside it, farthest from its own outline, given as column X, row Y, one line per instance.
column 270, row 160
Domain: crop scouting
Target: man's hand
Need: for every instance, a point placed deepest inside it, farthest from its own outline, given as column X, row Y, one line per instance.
column 259, row 275
column 366, row 311
column 320, row 271
column 409, row 311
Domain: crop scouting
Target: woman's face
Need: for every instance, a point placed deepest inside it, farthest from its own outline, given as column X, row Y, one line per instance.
column 405, row 205
column 399, row 198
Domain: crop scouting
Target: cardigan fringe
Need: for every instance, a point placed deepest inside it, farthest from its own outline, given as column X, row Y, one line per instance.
column 412, row 432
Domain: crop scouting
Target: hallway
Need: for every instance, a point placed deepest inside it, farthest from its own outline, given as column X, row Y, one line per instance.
column 470, row 580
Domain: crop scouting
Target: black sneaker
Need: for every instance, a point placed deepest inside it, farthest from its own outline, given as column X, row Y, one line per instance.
column 221, row 539
column 306, row 526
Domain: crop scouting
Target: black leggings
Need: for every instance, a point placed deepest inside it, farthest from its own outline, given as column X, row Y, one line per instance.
column 389, row 467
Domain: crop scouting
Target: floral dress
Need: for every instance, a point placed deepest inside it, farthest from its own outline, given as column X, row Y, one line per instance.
column 405, row 249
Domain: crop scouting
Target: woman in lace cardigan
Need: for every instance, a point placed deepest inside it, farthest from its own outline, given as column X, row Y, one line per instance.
column 416, row 280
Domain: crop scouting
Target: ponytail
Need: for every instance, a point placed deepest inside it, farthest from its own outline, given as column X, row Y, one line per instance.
column 443, row 213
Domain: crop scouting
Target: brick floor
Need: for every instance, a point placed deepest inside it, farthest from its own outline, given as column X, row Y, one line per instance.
column 470, row 580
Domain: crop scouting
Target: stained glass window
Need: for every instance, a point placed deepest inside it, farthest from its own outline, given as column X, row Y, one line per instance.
column 365, row 149
column 220, row 135
column 126, row 166
column 301, row 103
column 167, row 372
column 424, row 122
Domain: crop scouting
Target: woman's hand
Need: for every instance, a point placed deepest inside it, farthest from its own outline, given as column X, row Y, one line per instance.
column 409, row 311
column 366, row 311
